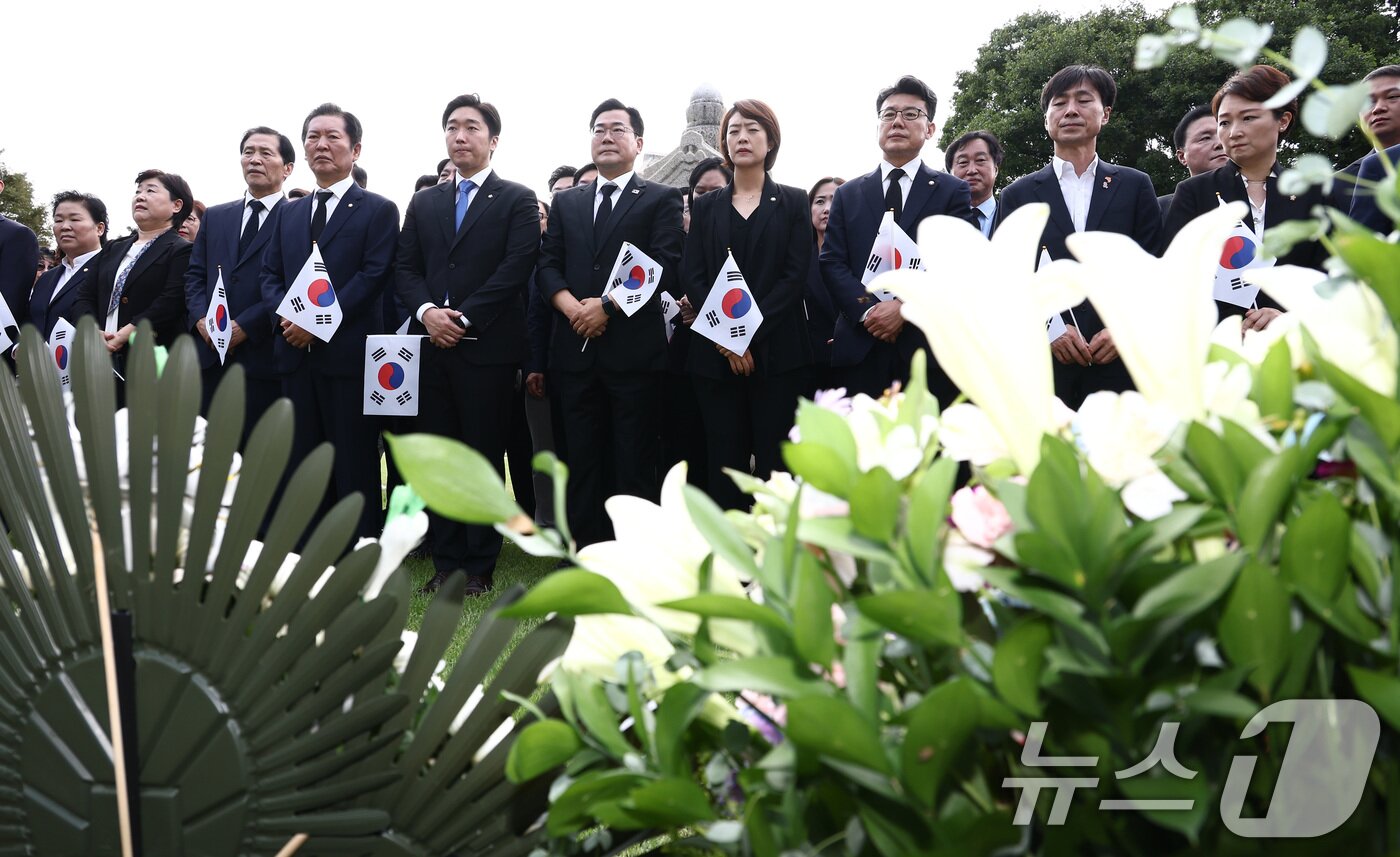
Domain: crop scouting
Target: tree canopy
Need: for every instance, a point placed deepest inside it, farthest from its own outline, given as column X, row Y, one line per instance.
column 1001, row 93
column 17, row 203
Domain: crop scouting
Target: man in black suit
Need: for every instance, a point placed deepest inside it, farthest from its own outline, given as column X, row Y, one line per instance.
column 465, row 257
column 1383, row 118
column 357, row 233
column 80, row 228
column 976, row 158
column 19, row 257
column 232, row 238
column 1198, row 148
column 610, row 390
column 872, row 346
column 1085, row 194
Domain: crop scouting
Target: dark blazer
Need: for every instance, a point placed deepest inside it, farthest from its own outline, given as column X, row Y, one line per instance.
column 1164, row 202
column 481, row 269
column 217, row 245
column 820, row 312
column 856, row 212
column 155, row 288
column 776, row 262
column 358, row 245
column 44, row 313
column 644, row 213
column 19, row 258
column 1363, row 206
column 1200, row 194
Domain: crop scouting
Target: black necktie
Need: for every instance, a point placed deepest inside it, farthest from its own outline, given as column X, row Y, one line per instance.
column 894, row 198
column 250, row 229
column 600, row 220
column 318, row 220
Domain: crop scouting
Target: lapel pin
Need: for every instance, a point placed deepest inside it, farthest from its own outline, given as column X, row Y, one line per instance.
column 634, row 190
column 350, row 205
column 1107, row 180
column 772, row 199
column 931, row 182
column 1293, row 199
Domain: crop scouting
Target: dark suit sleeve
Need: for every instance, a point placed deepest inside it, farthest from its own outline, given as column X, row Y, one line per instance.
column 1362, row 204
column 695, row 281
column 85, row 300
column 376, row 270
column 797, row 256
column 196, row 298
column 258, row 320
column 835, row 259
column 667, row 235
column 274, row 278
column 549, row 276
column 1147, row 215
column 960, row 204
column 19, row 258
column 507, row 283
column 1186, row 206
column 169, row 306
column 537, row 319
column 410, row 269
column 1009, row 201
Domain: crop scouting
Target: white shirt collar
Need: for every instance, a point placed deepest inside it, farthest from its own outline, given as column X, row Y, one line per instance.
column 621, row 182
column 269, row 201
column 988, row 206
column 911, row 169
column 340, row 188
column 1060, row 164
column 477, row 180
column 79, row 262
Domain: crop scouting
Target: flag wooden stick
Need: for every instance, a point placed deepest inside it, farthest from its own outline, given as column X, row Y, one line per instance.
column 293, row 845
column 114, row 711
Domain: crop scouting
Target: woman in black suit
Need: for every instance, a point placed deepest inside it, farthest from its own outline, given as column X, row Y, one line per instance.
column 146, row 271
column 747, row 400
column 1250, row 133
column 816, row 301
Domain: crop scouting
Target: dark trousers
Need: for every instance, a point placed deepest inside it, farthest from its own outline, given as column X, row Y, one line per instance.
column 888, row 362
column 683, row 433
column 472, row 404
column 746, row 418
column 613, row 424
column 329, row 409
column 520, row 449
column 1074, row 383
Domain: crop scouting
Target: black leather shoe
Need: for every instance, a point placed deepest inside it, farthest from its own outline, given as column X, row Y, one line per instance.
column 432, row 585
column 477, row 585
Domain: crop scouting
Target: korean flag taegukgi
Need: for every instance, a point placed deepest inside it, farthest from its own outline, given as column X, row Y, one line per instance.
column 730, row 316
column 217, row 322
column 893, row 250
column 311, row 303
column 633, row 279
column 61, row 346
column 391, row 375
column 1240, row 253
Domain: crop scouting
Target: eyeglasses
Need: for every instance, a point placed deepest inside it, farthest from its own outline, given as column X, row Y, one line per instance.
column 616, row 131
column 909, row 114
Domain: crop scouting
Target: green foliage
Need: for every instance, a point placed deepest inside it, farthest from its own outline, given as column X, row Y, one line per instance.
column 17, row 203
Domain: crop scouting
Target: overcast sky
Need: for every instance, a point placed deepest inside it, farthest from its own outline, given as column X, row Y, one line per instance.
column 111, row 89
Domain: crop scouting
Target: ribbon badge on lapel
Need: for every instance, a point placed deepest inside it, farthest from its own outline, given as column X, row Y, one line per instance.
column 1107, row 180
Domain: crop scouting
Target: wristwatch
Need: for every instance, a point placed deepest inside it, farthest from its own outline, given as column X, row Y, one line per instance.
column 609, row 306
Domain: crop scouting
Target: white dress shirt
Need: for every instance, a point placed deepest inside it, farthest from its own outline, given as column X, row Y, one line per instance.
column 340, row 188
column 127, row 261
column 477, row 181
column 269, row 202
column 989, row 213
column 1256, row 212
column 621, row 181
column 911, row 169
column 1077, row 190
column 70, row 270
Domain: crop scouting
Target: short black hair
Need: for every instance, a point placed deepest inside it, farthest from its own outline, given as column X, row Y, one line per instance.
column 96, row 209
column 177, row 187
column 993, row 148
column 633, row 115
column 910, row 85
column 1200, row 111
column 284, row 143
column 425, row 181
column 442, row 163
column 353, row 128
column 704, row 167
column 488, row 112
column 586, row 168
column 298, row 193
column 361, row 177
column 543, row 205
column 1383, row 71
column 564, row 171
column 1071, row 76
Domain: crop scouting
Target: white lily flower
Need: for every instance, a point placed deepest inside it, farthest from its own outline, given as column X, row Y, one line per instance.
column 962, row 561
column 400, row 536
column 1161, row 311
column 1251, row 345
column 1350, row 324
column 599, row 640
column 1120, row 433
column 410, row 639
column 984, row 315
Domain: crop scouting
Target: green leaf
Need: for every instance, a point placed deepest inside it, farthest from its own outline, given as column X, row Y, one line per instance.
column 1332, row 112
column 927, row 616
column 719, row 532
column 928, row 507
column 678, row 708
column 600, row 722
column 838, row 534
column 833, row 727
column 1273, row 382
column 454, row 480
column 1316, row 547
column 1254, row 626
column 1238, row 41
column 1382, row 413
column 1265, row 494
column 715, row 606
column 820, row 466
column 572, row 592
column 1017, row 665
column 541, row 747
column 1152, row 51
column 1373, row 260
column 1379, row 690
column 573, row 809
column 1309, row 170
column 1221, row 703
column 812, row 612
column 1212, row 459
column 875, row 504
column 774, row 676
column 669, row 802
column 1187, row 822
column 1189, row 591
column 939, row 727
column 826, row 427
column 1280, row 239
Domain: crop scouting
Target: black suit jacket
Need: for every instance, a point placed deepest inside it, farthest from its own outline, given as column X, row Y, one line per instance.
column 19, row 258
column 775, row 265
column 1203, row 193
column 1362, row 204
column 216, row 245
column 155, row 288
column 481, row 269
column 649, row 216
column 358, row 245
column 43, row 309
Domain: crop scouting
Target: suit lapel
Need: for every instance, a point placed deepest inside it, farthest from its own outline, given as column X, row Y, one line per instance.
column 1102, row 197
column 148, row 258
column 873, row 195
column 344, row 210
column 920, row 189
column 443, row 209
column 1047, row 190
column 723, row 205
column 763, row 215
column 627, row 197
column 1230, row 188
column 485, row 196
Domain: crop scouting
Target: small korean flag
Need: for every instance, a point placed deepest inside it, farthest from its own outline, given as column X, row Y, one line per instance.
column 730, row 315
column 217, row 321
column 7, row 321
column 61, row 346
column 893, row 250
column 1240, row 253
column 311, row 303
column 391, row 375
column 633, row 279
column 1055, row 326
column 670, row 308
